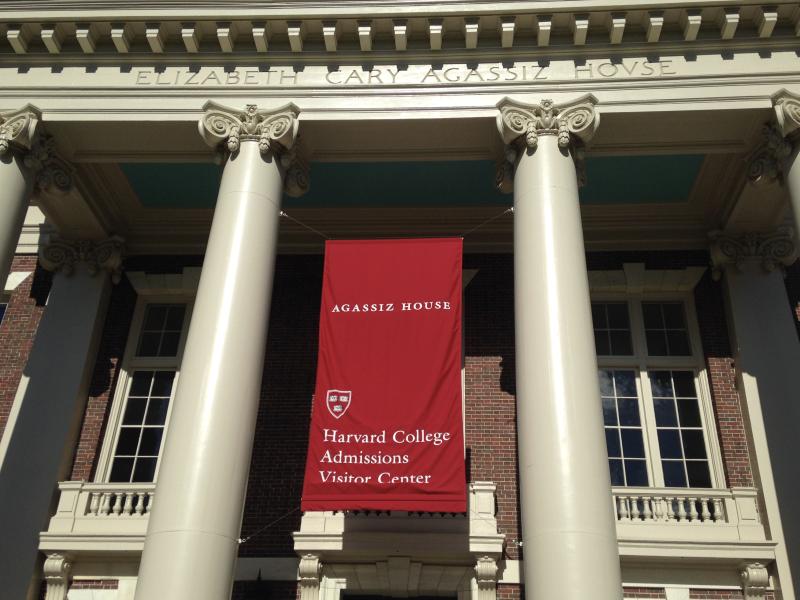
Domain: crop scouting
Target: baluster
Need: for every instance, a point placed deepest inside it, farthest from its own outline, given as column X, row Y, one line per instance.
column 635, row 508
column 681, row 509
column 105, row 504
column 659, row 512
column 705, row 515
column 648, row 513
column 128, row 508
column 693, row 514
column 624, row 515
column 670, row 509
column 150, row 496
column 94, row 503
column 717, row 509
column 139, row 508
column 117, row 507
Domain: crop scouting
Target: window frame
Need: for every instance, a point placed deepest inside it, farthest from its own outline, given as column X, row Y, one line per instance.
column 642, row 364
column 130, row 364
column 5, row 300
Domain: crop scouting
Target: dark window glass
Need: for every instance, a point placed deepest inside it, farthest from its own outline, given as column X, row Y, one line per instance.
column 665, row 329
column 612, row 443
column 632, row 444
column 674, row 475
column 628, row 411
column 134, row 411
column 636, row 472
column 3, row 306
column 128, row 441
column 669, row 442
column 624, row 438
column 689, row 411
column 151, row 441
column 665, row 412
column 617, row 473
column 699, row 475
column 161, row 330
column 121, row 470
column 693, row 444
column 145, row 469
column 612, row 329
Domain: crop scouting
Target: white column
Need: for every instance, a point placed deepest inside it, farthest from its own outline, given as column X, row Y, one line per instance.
column 37, row 451
column 191, row 545
column 768, row 371
column 778, row 154
column 17, row 132
column 568, row 530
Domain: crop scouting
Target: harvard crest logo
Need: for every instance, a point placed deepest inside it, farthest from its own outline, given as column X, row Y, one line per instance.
column 338, row 402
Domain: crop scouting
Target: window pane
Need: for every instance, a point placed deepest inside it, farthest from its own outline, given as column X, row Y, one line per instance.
column 151, row 441
column 121, row 470
column 157, row 411
column 145, row 469
column 161, row 330
column 632, row 444
column 665, row 412
column 636, row 472
column 154, row 317
column 615, row 468
column 602, row 347
column 140, row 386
column 628, row 411
column 656, row 343
column 599, row 316
column 693, row 444
column 618, row 315
column 699, row 475
column 606, row 383
column 684, row 384
column 175, row 316
column 169, row 343
column 148, row 343
column 2, row 310
column 128, row 441
column 134, row 411
column 652, row 315
column 669, row 443
column 673, row 473
column 620, row 343
column 162, row 384
column 609, row 411
column 689, row 412
column 661, row 383
column 673, row 316
column 612, row 443
column 678, row 342
column 625, row 382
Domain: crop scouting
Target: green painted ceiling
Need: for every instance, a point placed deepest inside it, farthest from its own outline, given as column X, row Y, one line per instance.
column 611, row 180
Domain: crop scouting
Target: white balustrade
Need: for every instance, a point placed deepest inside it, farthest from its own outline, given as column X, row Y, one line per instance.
column 670, row 513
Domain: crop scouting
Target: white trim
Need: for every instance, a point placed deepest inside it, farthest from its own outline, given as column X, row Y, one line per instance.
column 15, row 278
column 635, row 279
column 166, row 284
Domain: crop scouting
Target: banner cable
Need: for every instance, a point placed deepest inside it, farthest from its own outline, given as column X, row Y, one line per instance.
column 267, row 526
column 487, row 221
column 291, row 218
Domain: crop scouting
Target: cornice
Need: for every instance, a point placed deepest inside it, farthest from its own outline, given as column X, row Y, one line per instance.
column 369, row 29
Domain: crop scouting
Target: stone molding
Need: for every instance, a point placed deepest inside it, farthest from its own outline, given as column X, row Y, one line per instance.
column 57, row 568
column 771, row 250
column 521, row 124
column 755, row 581
column 18, row 129
column 62, row 255
column 274, row 130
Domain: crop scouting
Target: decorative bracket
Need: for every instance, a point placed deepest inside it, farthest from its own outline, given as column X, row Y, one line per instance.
column 521, row 124
column 62, row 255
column 18, row 129
column 57, row 569
column 308, row 576
column 755, row 581
column 51, row 171
column 486, row 572
column 772, row 250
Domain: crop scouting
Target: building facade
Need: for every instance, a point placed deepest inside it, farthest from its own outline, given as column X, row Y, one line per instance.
column 623, row 175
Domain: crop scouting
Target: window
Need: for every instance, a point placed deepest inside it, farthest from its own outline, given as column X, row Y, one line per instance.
column 3, row 306
column 656, row 411
column 145, row 391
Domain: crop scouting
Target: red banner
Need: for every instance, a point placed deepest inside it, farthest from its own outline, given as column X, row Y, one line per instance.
column 386, row 429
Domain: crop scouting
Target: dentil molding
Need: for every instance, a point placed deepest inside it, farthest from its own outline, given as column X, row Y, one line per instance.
column 62, row 256
column 771, row 250
column 275, row 131
column 521, row 124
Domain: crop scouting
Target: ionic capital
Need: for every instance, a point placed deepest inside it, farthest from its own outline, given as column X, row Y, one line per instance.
column 275, row 130
column 770, row 250
column 768, row 162
column 18, row 129
column 519, row 121
column 787, row 112
column 63, row 255
column 52, row 172
column 57, row 568
column 755, row 581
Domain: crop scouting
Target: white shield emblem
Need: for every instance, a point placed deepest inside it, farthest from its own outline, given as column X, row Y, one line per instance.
column 338, row 402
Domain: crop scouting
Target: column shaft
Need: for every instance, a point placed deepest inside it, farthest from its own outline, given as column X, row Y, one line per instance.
column 37, row 451
column 191, row 545
column 15, row 189
column 768, row 355
column 568, row 531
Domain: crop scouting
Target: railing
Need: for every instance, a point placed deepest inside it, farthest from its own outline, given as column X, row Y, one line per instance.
column 669, row 513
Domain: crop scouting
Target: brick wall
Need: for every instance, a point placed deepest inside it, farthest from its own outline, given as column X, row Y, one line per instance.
column 508, row 591
column 18, row 329
column 94, row 584
column 264, row 590
column 644, row 592
column 701, row 594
